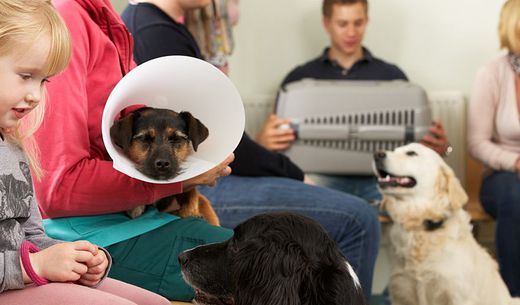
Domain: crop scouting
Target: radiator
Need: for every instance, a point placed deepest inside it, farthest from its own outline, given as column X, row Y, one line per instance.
column 447, row 106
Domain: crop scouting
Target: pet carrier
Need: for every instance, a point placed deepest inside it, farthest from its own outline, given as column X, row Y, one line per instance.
column 339, row 124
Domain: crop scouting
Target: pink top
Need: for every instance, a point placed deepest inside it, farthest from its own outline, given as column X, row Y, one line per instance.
column 493, row 120
column 79, row 177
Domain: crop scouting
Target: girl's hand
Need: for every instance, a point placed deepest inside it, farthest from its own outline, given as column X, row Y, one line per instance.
column 96, row 268
column 210, row 177
column 63, row 262
column 273, row 137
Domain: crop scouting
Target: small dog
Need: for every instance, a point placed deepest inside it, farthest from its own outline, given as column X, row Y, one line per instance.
column 438, row 261
column 158, row 141
column 275, row 259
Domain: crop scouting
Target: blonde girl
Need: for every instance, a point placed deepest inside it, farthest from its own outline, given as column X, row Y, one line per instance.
column 34, row 46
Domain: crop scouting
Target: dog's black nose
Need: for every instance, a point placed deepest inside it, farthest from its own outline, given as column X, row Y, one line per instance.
column 183, row 258
column 162, row 164
column 379, row 155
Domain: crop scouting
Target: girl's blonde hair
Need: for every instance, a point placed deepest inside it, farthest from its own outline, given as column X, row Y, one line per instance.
column 509, row 26
column 23, row 22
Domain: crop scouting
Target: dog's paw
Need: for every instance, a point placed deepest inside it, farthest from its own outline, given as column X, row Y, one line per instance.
column 136, row 212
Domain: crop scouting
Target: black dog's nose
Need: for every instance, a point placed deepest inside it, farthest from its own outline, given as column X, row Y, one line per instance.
column 162, row 164
column 183, row 258
column 379, row 155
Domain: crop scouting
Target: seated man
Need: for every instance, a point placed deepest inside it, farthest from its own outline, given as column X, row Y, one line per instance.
column 345, row 21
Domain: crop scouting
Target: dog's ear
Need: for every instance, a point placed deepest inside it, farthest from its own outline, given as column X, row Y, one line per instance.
column 276, row 278
column 333, row 285
column 197, row 132
column 122, row 131
column 447, row 183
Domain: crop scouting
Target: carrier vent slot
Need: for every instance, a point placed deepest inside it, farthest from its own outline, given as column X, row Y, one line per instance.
column 398, row 117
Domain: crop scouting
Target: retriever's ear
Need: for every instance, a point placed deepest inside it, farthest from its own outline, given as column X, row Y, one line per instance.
column 268, row 274
column 197, row 132
column 447, row 183
column 122, row 131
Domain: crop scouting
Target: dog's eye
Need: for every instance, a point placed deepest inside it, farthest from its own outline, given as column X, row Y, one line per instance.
column 144, row 138
column 175, row 139
column 411, row 153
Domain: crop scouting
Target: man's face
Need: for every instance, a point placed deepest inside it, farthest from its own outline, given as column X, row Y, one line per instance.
column 346, row 27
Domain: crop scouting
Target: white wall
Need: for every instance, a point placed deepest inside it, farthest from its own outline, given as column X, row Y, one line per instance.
column 439, row 44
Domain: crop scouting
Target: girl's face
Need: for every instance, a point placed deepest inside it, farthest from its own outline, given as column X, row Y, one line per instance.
column 21, row 80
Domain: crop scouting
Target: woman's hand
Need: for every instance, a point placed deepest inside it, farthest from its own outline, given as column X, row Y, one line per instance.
column 96, row 269
column 210, row 177
column 517, row 166
column 272, row 137
column 63, row 262
column 436, row 139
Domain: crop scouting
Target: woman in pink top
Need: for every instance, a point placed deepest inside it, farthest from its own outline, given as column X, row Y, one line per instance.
column 494, row 139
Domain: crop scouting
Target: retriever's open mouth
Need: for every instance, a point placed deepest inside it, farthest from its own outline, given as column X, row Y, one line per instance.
column 385, row 179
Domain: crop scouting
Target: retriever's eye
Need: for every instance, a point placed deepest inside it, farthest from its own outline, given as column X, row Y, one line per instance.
column 411, row 153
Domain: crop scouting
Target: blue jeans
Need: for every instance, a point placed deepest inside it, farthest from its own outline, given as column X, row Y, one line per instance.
column 361, row 186
column 500, row 197
column 350, row 221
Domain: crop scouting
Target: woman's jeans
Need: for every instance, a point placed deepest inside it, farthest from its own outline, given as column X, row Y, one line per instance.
column 349, row 220
column 500, row 197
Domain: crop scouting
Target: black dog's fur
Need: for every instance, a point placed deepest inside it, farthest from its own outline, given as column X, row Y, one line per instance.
column 272, row 259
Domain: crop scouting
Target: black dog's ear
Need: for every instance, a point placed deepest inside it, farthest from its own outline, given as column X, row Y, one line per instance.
column 121, row 132
column 333, row 285
column 276, row 277
column 197, row 132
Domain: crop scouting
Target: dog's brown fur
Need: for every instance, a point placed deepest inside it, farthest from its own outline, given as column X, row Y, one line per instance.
column 145, row 132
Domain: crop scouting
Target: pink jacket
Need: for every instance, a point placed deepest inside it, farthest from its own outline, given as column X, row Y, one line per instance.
column 79, row 177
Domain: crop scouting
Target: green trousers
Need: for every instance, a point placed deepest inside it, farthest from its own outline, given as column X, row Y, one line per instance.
column 150, row 260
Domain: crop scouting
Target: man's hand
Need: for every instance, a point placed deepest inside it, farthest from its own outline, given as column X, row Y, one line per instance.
column 436, row 139
column 274, row 138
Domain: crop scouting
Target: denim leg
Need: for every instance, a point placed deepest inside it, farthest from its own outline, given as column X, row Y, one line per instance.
column 350, row 221
column 362, row 186
column 500, row 197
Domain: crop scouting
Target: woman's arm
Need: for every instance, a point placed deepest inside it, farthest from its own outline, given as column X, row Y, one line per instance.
column 79, row 177
column 482, row 112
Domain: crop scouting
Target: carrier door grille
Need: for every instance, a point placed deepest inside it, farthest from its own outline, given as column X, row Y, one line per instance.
column 398, row 117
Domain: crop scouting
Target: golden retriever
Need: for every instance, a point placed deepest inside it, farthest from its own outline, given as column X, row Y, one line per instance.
column 437, row 259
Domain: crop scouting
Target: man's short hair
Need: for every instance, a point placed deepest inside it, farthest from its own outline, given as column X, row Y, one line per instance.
column 509, row 27
column 328, row 4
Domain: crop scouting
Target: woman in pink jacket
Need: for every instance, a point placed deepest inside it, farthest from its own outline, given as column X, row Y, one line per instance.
column 79, row 178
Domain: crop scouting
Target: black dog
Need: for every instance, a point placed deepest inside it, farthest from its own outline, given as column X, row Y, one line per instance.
column 272, row 259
